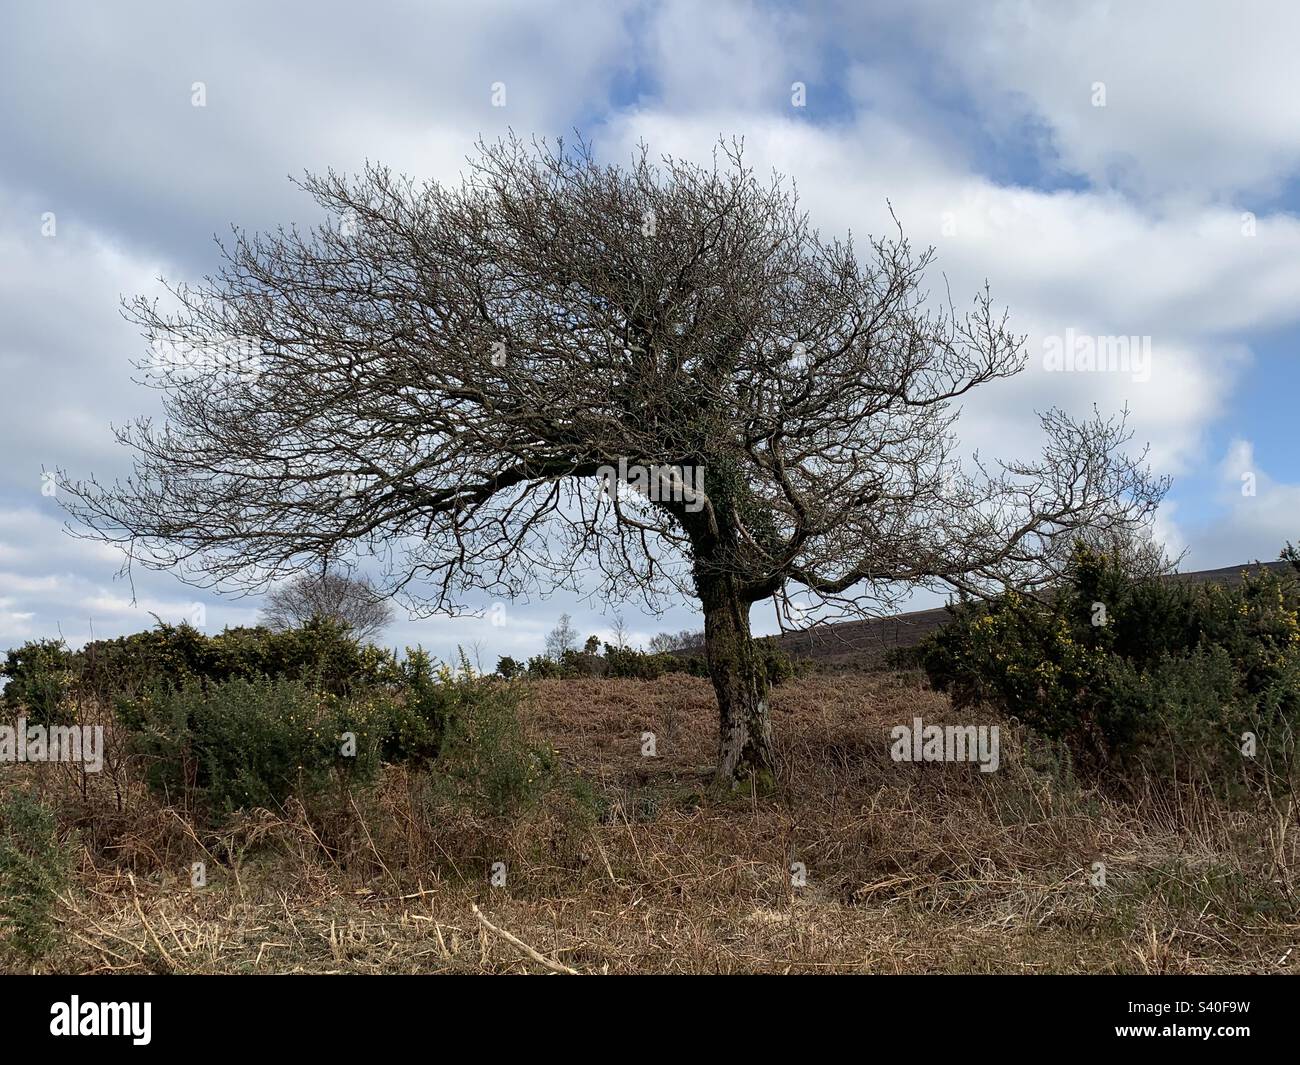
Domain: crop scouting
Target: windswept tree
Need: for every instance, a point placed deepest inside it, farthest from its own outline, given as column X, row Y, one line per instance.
column 444, row 377
column 347, row 601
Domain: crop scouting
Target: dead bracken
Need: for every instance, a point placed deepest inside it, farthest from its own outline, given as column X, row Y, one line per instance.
column 918, row 868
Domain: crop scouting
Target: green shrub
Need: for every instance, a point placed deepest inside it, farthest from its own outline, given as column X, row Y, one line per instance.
column 508, row 668
column 321, row 653
column 221, row 746
column 778, row 665
column 624, row 662
column 627, row 663
column 418, row 724
column 254, row 743
column 35, row 866
column 40, row 677
column 487, row 761
column 542, row 668
column 1149, row 674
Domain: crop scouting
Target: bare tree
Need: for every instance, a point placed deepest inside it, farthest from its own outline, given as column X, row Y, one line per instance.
column 476, row 654
column 618, row 632
column 560, row 639
column 446, row 376
column 676, row 641
column 334, row 596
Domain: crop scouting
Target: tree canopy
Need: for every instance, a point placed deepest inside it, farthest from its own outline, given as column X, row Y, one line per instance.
column 442, row 377
column 348, row 601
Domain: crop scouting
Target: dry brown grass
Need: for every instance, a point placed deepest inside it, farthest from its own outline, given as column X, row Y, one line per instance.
column 932, row 868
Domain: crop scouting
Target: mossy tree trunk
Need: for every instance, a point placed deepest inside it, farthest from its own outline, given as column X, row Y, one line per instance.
column 745, row 732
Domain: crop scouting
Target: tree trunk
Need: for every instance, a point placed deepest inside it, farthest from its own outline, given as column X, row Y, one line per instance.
column 745, row 739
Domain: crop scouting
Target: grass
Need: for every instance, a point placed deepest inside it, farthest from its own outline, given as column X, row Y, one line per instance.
column 629, row 867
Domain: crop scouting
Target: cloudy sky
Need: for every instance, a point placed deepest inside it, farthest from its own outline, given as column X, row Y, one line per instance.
column 1112, row 169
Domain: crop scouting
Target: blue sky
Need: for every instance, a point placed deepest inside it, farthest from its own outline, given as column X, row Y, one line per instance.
column 1111, row 169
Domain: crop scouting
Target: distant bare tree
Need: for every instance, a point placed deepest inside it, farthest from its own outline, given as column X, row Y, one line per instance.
column 676, row 641
column 476, row 654
column 618, row 632
column 561, row 638
column 444, row 377
column 334, row 596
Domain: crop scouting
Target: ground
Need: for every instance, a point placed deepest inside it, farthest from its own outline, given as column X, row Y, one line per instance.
column 630, row 865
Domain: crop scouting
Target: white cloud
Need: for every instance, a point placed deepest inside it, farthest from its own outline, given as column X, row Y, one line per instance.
column 1199, row 97
column 1202, row 105
column 1091, row 262
column 66, row 350
column 710, row 57
column 1257, row 513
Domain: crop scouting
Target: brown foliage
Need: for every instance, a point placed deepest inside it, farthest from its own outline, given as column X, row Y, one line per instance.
column 910, row 868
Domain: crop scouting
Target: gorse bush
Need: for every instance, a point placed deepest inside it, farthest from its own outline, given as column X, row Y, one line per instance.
column 35, row 866
column 247, row 717
column 223, row 746
column 777, row 665
column 429, row 699
column 631, row 664
column 488, row 762
column 540, row 667
column 322, row 653
column 40, row 676
column 1150, row 674
column 509, row 668
column 250, row 717
column 624, row 662
column 254, row 743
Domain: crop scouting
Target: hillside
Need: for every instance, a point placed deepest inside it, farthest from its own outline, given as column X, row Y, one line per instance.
column 902, row 868
column 857, row 644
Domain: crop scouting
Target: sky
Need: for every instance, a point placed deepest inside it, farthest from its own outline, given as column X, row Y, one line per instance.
column 1112, row 169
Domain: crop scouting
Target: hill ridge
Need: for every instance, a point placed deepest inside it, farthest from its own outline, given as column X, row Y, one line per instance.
column 867, row 640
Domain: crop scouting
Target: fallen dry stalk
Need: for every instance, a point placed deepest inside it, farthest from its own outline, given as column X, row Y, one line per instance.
column 538, row 957
column 135, row 898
